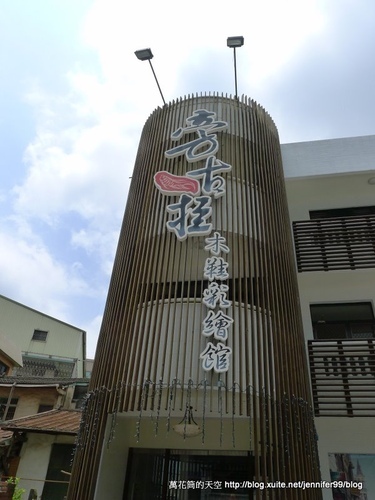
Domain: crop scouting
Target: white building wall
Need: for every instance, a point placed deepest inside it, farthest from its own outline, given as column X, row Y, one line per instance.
column 332, row 156
column 326, row 175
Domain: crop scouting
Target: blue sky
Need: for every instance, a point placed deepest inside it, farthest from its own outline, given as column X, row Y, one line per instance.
column 74, row 98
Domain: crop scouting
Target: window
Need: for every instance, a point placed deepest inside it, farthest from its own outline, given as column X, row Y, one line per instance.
column 80, row 392
column 352, row 320
column 40, row 335
column 3, row 369
column 11, row 410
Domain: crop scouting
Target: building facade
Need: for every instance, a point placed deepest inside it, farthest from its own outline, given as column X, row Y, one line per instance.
column 209, row 381
column 50, row 347
column 330, row 189
column 43, row 375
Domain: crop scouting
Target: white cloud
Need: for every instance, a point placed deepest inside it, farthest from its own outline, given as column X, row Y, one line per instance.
column 79, row 163
column 30, row 275
column 280, row 31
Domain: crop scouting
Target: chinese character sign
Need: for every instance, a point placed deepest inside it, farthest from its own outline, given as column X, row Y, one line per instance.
column 216, row 357
column 217, row 322
column 206, row 144
column 191, row 215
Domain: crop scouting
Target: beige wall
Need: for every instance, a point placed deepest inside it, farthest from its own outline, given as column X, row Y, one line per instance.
column 18, row 323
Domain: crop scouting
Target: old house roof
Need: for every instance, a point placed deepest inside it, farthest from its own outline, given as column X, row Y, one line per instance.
column 20, row 381
column 49, row 422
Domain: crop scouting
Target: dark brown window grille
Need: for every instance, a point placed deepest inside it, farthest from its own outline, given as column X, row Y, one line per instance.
column 335, row 243
column 343, row 377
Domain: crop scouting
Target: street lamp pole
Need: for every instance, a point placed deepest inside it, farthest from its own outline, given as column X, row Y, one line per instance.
column 233, row 42
column 147, row 55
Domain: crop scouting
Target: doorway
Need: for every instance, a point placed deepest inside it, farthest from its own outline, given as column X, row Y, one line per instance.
column 155, row 474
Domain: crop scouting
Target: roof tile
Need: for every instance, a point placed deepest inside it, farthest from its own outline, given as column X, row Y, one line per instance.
column 48, row 422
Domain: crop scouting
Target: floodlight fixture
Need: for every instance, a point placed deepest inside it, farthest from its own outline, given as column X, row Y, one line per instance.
column 234, row 42
column 144, row 54
column 147, row 55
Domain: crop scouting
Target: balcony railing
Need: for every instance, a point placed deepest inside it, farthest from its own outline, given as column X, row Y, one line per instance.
column 335, row 244
column 343, row 377
column 47, row 367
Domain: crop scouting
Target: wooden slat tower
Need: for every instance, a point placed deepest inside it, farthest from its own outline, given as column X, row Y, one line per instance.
column 154, row 311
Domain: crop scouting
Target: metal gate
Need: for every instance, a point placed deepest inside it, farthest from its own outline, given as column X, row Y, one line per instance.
column 187, row 475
